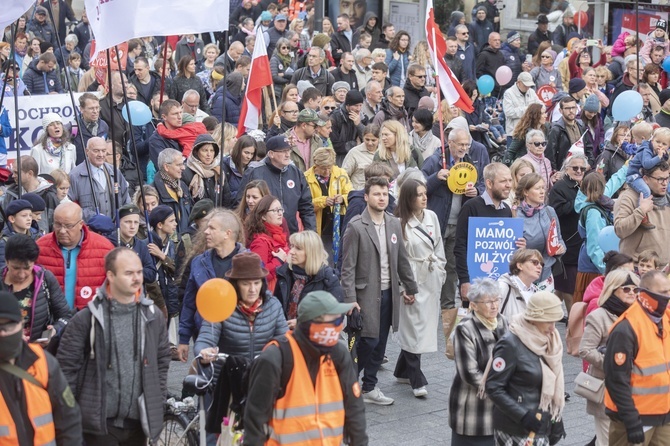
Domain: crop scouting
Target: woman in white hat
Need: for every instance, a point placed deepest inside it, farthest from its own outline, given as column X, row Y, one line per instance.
column 525, row 377
column 54, row 149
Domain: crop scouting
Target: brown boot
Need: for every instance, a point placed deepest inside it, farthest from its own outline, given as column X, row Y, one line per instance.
column 646, row 224
column 448, row 323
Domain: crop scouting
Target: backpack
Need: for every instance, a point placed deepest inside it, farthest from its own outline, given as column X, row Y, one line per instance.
column 585, row 210
column 575, row 330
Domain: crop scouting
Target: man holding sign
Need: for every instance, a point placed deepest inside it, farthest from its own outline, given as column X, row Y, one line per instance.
column 447, row 204
column 498, row 180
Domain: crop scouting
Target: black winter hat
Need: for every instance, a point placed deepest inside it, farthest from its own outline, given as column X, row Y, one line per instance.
column 354, row 97
column 160, row 214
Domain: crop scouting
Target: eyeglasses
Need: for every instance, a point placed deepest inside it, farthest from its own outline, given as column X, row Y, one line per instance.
column 661, row 180
column 569, row 108
column 628, row 289
column 283, row 48
column 278, row 210
column 546, row 56
column 538, row 144
column 578, row 169
column 464, row 34
column 58, row 226
column 490, row 303
column 536, row 262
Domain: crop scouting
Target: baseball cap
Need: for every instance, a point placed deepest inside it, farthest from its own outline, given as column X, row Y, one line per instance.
column 318, row 303
column 277, row 144
column 307, row 115
column 526, row 79
column 40, row 10
column 280, row 17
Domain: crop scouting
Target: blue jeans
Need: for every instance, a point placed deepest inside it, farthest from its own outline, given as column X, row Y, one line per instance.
column 638, row 184
column 371, row 350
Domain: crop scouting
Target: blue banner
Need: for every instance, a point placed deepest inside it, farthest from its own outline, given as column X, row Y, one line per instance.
column 491, row 243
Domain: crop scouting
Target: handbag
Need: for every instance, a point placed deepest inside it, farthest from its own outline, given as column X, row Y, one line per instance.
column 590, row 387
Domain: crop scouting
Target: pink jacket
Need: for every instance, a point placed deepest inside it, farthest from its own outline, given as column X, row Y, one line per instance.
column 619, row 46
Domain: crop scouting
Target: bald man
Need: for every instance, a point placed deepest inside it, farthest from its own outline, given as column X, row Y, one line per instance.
column 82, row 189
column 74, row 254
column 229, row 58
column 490, row 59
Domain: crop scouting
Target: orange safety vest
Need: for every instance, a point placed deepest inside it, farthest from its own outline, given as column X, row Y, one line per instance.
column 650, row 376
column 38, row 405
column 308, row 415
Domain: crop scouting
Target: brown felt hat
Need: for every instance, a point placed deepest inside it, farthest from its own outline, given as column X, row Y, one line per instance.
column 247, row 266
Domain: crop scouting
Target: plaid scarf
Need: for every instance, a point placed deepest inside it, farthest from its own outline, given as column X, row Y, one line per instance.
column 172, row 183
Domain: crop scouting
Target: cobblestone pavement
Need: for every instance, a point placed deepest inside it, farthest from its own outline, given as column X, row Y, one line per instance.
column 424, row 422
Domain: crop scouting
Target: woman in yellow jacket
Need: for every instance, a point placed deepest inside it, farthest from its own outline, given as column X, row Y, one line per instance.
column 330, row 187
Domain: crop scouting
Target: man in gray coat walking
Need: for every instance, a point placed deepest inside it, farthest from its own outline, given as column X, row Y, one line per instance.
column 374, row 265
column 115, row 355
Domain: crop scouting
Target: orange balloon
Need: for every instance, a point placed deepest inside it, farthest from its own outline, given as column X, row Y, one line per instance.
column 216, row 300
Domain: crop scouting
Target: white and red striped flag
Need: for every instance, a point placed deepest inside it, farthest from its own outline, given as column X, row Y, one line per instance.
column 452, row 90
column 260, row 77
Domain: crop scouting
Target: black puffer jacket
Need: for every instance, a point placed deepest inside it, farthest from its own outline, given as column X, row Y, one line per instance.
column 612, row 159
column 85, row 369
column 48, row 304
column 345, row 133
column 516, row 387
column 412, row 97
column 324, row 280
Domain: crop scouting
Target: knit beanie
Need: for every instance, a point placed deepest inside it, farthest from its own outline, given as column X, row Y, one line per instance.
column 340, row 84
column 354, row 97
column 512, row 36
column 592, row 104
column 49, row 119
column 320, row 40
column 576, row 85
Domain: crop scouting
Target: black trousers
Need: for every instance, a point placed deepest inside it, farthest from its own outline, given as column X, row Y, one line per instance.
column 130, row 435
column 409, row 366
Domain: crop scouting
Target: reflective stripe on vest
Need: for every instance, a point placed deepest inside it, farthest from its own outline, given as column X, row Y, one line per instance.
column 650, row 374
column 308, row 415
column 38, row 406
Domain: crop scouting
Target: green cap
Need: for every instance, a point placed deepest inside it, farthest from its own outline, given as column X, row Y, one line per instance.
column 318, row 303
column 307, row 115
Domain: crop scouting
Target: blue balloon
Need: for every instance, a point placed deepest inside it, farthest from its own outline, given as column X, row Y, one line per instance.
column 139, row 111
column 485, row 84
column 666, row 64
column 608, row 240
column 627, row 105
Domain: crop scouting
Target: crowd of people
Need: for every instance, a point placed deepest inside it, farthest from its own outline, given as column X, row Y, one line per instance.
column 337, row 205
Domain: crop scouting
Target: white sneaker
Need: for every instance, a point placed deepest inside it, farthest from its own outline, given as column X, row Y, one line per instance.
column 420, row 392
column 376, row 396
column 402, row 380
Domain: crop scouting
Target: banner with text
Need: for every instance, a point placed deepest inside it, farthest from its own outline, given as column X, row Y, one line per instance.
column 491, row 243
column 31, row 111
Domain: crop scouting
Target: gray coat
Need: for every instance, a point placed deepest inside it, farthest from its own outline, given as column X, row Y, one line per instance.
column 536, row 230
column 596, row 332
column 473, row 345
column 80, row 191
column 361, row 269
column 83, row 357
column 234, row 336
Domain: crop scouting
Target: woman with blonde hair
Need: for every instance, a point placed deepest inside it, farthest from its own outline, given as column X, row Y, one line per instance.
column 306, row 270
column 378, row 55
column 229, row 136
column 447, row 115
column 619, row 292
column 330, row 186
column 519, row 169
column 394, row 149
column 421, row 56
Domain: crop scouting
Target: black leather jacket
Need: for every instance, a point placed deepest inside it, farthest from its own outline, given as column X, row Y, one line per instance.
column 514, row 384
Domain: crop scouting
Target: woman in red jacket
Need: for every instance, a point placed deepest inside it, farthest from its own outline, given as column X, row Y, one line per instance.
column 267, row 237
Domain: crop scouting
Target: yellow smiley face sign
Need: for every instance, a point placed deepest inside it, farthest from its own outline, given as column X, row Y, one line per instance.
column 460, row 175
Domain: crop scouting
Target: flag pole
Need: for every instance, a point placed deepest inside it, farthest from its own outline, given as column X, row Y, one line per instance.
column 219, row 183
column 439, row 103
column 111, row 126
column 79, row 125
column 17, row 127
column 165, row 46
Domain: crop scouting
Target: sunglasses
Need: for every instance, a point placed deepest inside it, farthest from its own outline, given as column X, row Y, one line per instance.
column 329, row 108
column 538, row 144
column 546, row 56
column 283, row 48
column 420, row 77
column 628, row 289
column 578, row 169
column 536, row 262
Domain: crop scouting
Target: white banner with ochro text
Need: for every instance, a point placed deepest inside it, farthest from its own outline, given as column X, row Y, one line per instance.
column 31, row 111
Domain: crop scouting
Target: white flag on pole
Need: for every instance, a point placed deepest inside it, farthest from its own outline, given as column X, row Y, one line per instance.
column 116, row 21
column 12, row 10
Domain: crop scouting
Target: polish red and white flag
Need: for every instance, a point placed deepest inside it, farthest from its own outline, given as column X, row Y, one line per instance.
column 260, row 77
column 451, row 88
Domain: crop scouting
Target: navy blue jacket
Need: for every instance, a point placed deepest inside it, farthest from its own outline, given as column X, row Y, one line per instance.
column 39, row 82
column 290, row 187
column 148, row 266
